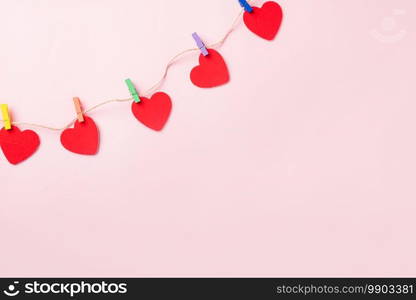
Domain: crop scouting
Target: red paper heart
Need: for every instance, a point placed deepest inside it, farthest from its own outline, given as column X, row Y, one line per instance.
column 18, row 145
column 211, row 72
column 265, row 21
column 83, row 138
column 153, row 112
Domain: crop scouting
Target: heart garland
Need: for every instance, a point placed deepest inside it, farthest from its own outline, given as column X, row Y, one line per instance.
column 212, row 71
column 17, row 145
column 265, row 21
column 83, row 138
column 153, row 112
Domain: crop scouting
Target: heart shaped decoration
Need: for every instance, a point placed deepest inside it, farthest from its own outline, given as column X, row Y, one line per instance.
column 211, row 72
column 153, row 112
column 18, row 145
column 265, row 21
column 83, row 138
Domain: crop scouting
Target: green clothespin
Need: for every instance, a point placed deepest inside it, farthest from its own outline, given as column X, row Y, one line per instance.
column 133, row 90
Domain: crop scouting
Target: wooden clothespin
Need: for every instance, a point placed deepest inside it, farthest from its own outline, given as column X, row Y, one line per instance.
column 246, row 6
column 6, row 116
column 200, row 44
column 133, row 90
column 78, row 109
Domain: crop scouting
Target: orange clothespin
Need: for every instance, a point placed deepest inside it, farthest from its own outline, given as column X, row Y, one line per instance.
column 78, row 109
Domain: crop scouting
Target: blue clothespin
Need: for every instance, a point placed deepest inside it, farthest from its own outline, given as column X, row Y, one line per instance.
column 200, row 44
column 246, row 6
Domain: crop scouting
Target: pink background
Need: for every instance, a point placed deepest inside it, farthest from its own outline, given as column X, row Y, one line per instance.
column 303, row 165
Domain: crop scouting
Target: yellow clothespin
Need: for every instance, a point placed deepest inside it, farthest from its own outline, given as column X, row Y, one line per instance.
column 78, row 109
column 6, row 116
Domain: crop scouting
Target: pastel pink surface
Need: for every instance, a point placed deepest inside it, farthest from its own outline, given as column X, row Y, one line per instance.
column 302, row 165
